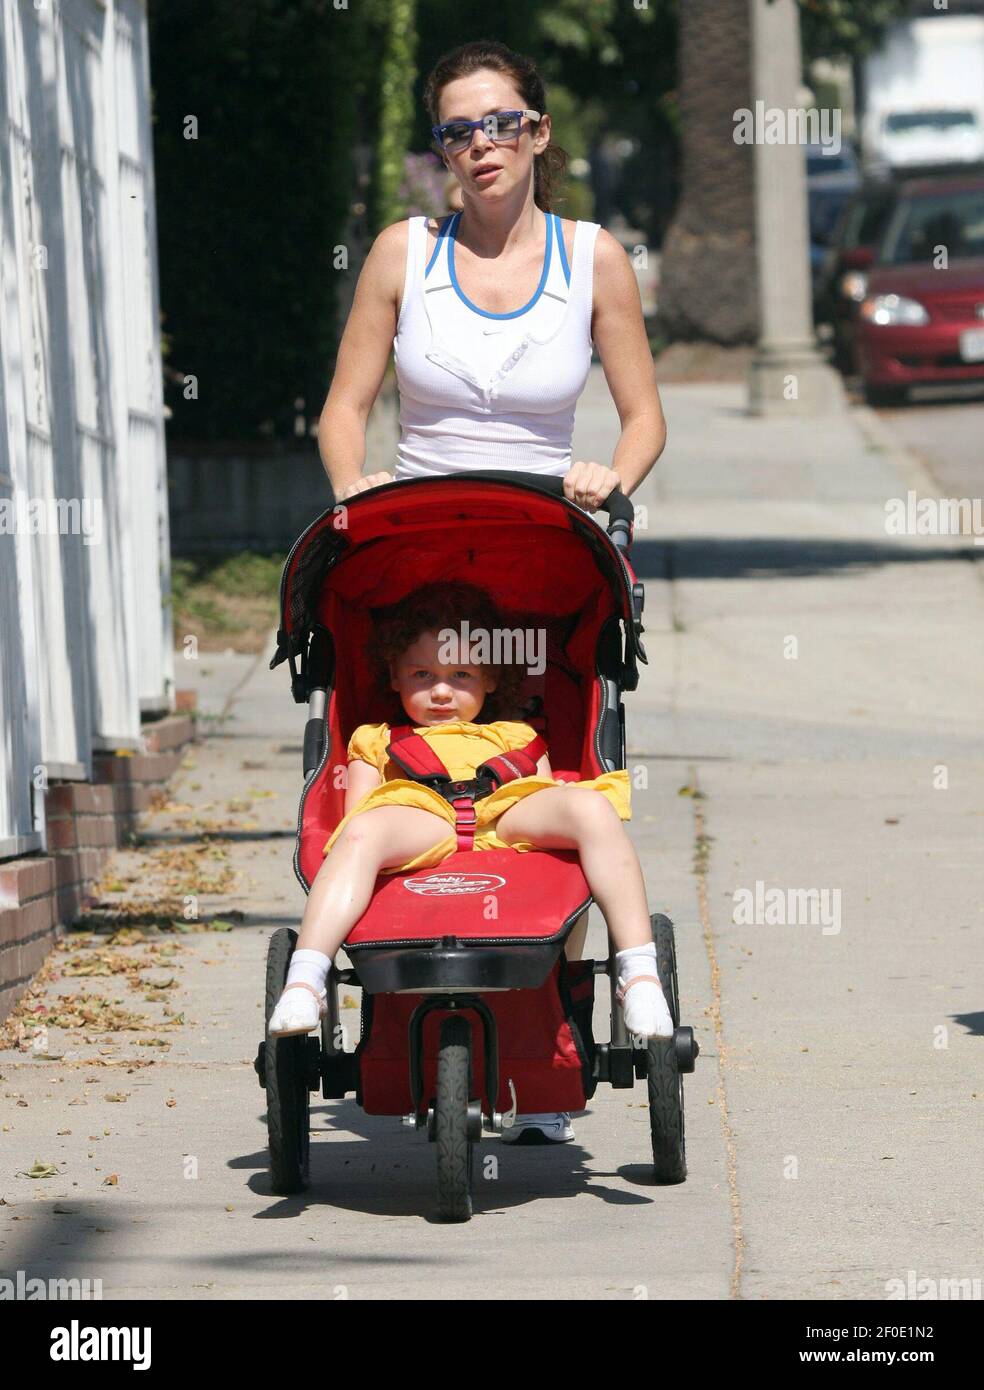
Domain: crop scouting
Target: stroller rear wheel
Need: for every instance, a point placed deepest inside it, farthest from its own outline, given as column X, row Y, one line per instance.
column 286, row 1070
column 451, row 1121
column 663, row 1074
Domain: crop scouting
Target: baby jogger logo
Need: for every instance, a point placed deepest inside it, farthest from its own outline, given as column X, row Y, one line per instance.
column 75, row 1343
column 444, row 884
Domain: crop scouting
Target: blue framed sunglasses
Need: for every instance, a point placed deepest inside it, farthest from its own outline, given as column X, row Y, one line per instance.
column 499, row 126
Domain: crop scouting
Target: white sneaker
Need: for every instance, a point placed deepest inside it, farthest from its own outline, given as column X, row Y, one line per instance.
column 300, row 1009
column 549, row 1128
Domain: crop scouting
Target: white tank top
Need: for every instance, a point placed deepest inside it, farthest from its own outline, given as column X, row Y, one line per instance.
column 484, row 390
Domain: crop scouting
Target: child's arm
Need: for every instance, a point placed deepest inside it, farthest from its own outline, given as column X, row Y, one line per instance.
column 362, row 777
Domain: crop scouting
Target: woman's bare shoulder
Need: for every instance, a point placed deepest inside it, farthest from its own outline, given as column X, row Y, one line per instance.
column 387, row 259
column 610, row 256
column 384, row 269
column 390, row 243
column 615, row 283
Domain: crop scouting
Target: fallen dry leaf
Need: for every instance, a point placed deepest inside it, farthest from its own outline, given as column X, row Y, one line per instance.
column 39, row 1169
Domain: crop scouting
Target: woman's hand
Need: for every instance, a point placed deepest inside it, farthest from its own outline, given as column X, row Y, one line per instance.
column 364, row 484
column 589, row 484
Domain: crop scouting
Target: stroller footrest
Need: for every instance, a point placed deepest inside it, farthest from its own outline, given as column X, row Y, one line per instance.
column 419, row 968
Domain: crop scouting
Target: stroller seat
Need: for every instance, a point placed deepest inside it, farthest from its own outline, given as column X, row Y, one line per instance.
column 472, row 899
column 537, row 892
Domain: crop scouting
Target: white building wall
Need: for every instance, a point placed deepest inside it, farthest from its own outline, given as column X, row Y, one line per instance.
column 84, row 632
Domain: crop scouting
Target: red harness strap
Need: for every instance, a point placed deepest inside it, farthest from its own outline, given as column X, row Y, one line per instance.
column 420, row 762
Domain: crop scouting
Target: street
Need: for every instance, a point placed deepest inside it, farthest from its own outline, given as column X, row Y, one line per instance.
column 945, row 429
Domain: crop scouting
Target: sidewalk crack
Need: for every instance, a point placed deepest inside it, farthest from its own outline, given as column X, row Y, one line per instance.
column 701, row 856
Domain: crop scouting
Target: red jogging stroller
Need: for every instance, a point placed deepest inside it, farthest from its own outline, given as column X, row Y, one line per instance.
column 467, row 1017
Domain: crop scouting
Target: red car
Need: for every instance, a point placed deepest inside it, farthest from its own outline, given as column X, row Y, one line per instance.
column 922, row 317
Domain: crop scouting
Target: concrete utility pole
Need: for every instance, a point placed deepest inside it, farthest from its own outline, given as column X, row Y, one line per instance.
column 787, row 373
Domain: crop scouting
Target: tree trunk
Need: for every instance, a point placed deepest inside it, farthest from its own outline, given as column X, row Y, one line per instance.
column 396, row 109
column 708, row 280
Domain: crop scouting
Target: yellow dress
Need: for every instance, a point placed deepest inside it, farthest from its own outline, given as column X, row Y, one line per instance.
column 462, row 747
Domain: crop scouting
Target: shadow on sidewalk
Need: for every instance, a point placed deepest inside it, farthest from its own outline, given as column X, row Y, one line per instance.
column 744, row 557
column 395, row 1172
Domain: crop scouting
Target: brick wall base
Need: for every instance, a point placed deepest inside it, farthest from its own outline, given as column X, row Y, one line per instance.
column 42, row 894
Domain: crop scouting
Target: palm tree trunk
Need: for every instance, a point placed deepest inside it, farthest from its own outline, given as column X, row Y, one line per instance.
column 396, row 108
column 708, row 283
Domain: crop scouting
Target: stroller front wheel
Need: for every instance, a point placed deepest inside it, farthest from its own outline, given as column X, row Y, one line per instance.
column 664, row 1077
column 451, row 1121
column 287, row 1068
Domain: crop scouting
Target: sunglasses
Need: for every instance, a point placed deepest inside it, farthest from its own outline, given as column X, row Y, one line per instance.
column 499, row 126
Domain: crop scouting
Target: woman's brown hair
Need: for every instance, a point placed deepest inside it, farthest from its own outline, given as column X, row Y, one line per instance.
column 548, row 167
column 433, row 608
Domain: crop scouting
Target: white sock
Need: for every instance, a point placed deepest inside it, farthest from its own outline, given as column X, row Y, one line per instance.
column 644, row 1007
column 636, row 960
column 309, row 968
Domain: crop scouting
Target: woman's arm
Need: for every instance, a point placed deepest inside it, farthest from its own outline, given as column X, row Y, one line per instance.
column 361, row 363
column 362, row 777
column 619, row 332
column 543, row 768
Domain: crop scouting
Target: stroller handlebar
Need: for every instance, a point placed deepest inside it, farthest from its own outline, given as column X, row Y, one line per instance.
column 621, row 512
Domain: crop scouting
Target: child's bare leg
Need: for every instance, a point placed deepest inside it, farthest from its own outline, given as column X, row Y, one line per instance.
column 585, row 820
column 373, row 840
column 574, row 945
column 376, row 839
column 564, row 818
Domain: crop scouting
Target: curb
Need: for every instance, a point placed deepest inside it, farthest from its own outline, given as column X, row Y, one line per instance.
column 880, row 436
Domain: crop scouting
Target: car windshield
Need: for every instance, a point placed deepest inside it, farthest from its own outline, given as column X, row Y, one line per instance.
column 919, row 227
column 904, row 122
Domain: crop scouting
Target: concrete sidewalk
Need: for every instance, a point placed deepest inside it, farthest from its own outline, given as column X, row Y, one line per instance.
column 834, row 1119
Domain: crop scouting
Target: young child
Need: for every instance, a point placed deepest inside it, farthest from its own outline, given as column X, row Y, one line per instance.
column 393, row 824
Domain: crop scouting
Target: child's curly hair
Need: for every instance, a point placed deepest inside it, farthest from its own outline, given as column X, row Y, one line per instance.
column 432, row 608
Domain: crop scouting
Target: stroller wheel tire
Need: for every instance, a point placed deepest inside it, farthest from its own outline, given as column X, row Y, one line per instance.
column 451, row 1121
column 287, row 1074
column 663, row 1074
column 666, row 968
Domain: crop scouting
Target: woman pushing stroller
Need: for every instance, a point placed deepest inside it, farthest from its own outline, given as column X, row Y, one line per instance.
column 393, row 824
column 493, row 314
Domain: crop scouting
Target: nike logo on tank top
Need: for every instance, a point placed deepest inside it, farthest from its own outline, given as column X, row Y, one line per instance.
column 491, row 390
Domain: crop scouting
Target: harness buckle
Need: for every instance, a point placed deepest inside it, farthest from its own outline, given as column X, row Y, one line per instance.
column 473, row 789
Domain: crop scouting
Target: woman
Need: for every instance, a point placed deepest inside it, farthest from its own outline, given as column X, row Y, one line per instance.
column 492, row 312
